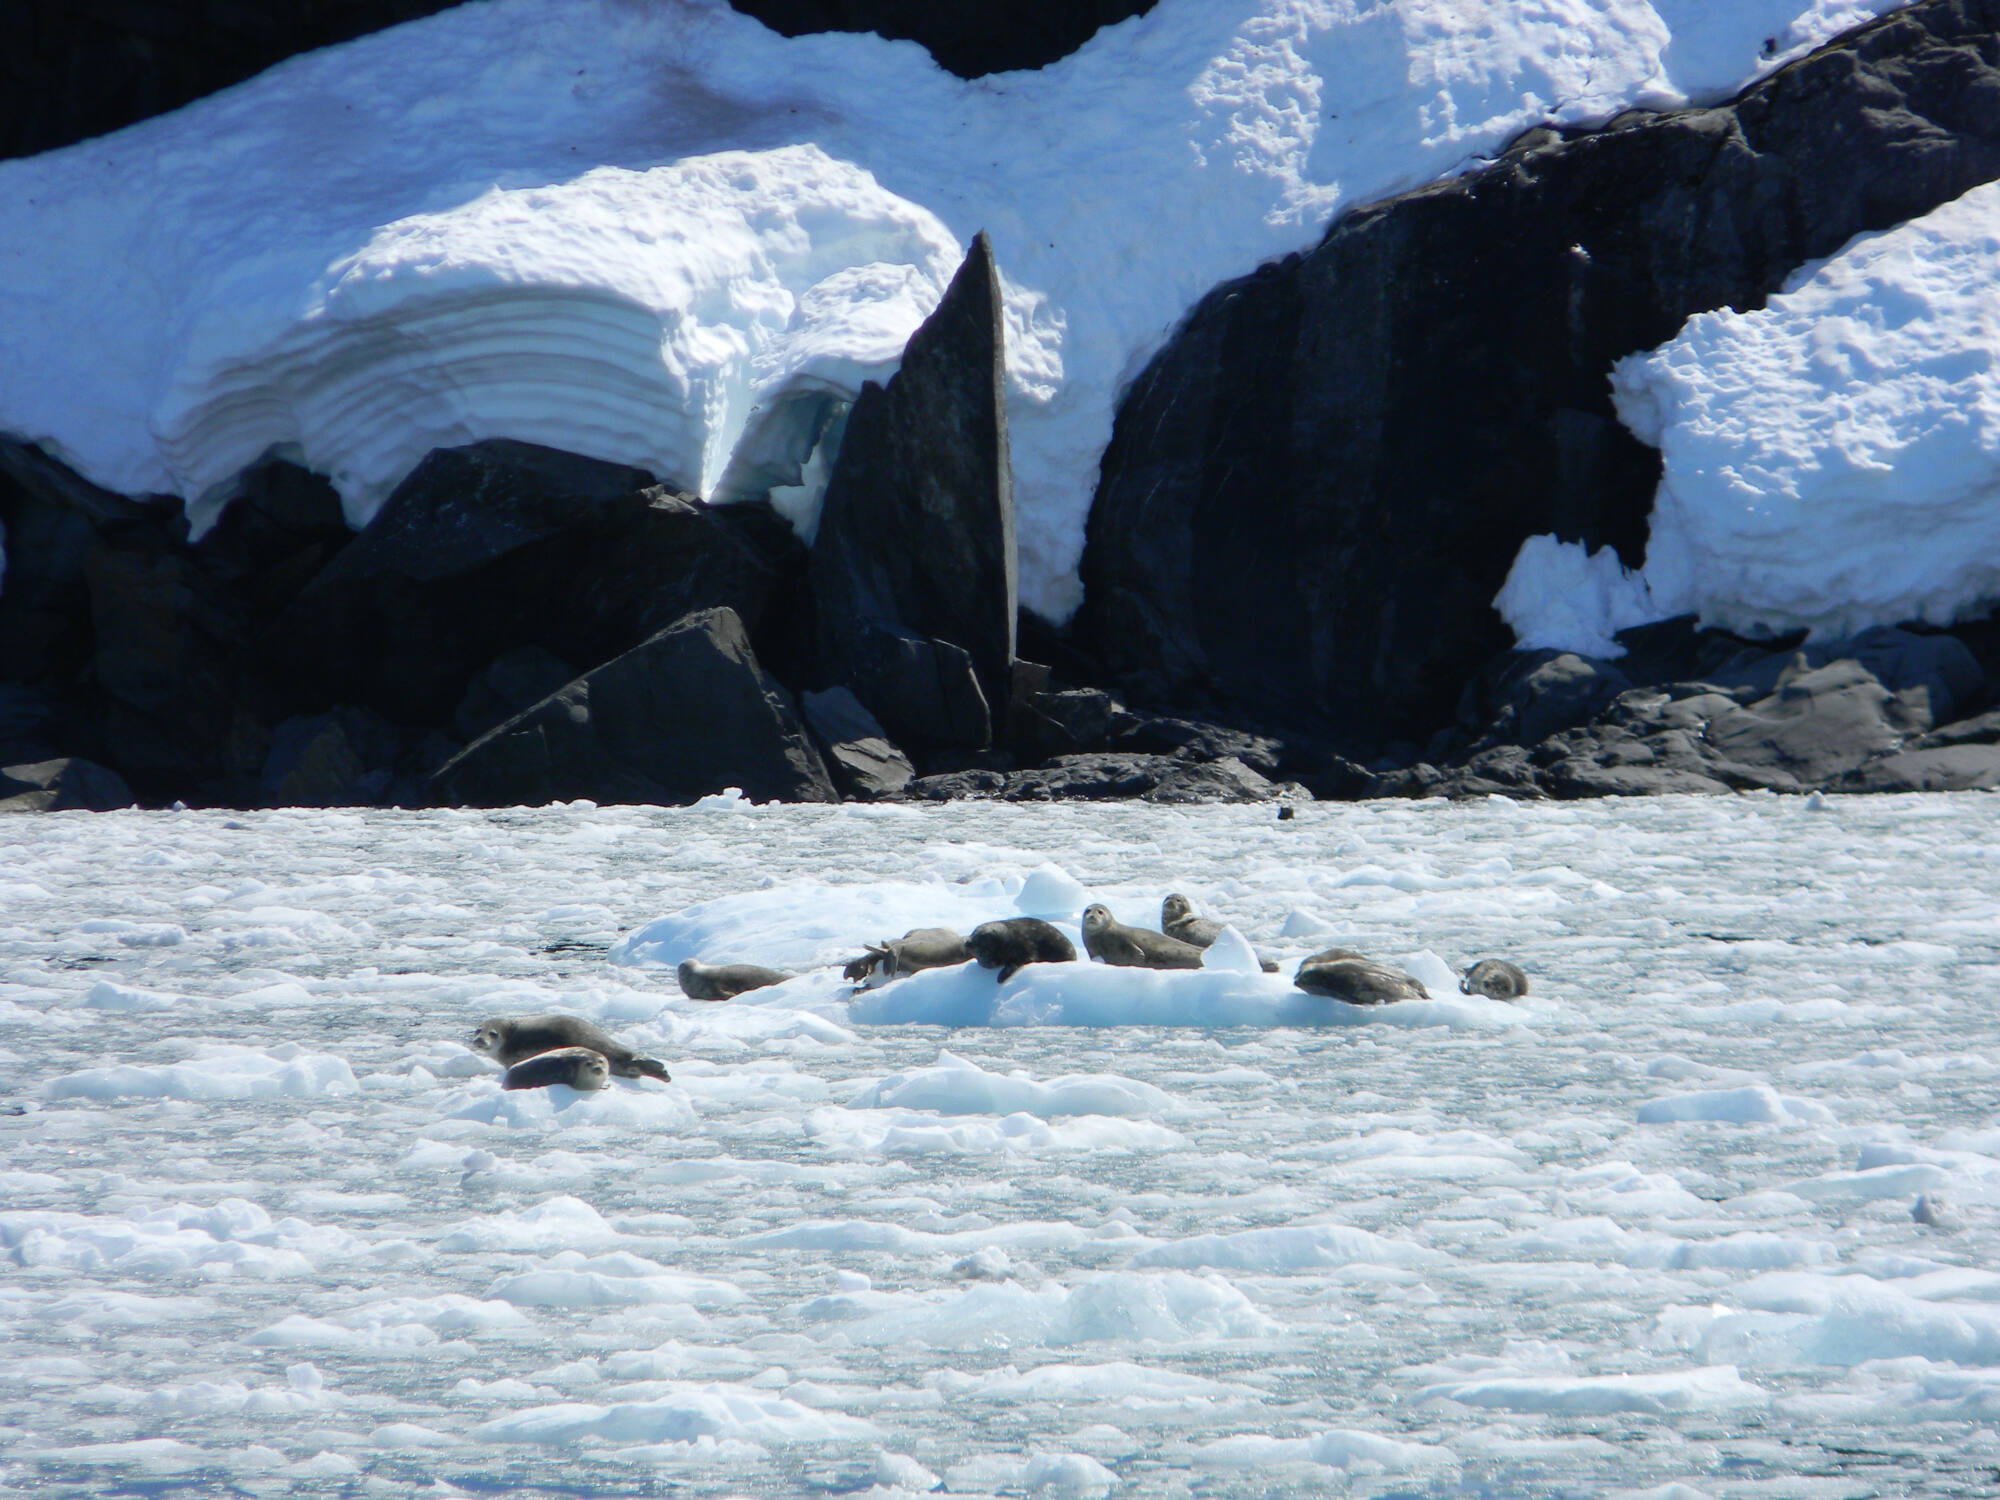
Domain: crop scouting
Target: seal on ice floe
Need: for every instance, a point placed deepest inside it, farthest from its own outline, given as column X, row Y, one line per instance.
column 918, row 949
column 1343, row 974
column 584, row 1069
column 1012, row 944
column 511, row 1039
column 1110, row 941
column 1494, row 978
column 700, row 981
column 1177, row 920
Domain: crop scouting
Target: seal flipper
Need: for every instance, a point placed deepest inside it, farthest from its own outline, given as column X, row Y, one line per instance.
column 1008, row 973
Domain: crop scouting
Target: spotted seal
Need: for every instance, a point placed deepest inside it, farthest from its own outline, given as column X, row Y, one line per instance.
column 1016, row 942
column 584, row 1069
column 511, row 1039
column 916, row 950
column 1343, row 974
column 700, row 981
column 1494, row 978
column 1177, row 919
column 1110, row 941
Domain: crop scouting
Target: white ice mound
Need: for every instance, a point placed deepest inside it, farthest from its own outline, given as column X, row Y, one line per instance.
column 560, row 1107
column 617, row 1279
column 1170, row 1307
column 1092, row 994
column 959, row 1086
column 1754, row 1104
column 1832, row 459
column 653, row 317
column 286, row 1071
column 804, row 923
column 686, row 1413
column 619, row 228
column 1289, row 1248
column 1708, row 1388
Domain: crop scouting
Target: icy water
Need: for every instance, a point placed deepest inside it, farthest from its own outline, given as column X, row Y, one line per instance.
column 267, row 1227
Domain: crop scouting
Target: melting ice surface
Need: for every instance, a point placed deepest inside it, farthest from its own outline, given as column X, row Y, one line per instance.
column 1717, row 1207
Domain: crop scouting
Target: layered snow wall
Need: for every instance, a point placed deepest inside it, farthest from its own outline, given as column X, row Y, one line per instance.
column 661, row 235
column 1831, row 460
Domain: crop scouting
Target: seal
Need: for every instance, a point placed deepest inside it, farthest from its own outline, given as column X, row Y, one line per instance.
column 916, row 950
column 584, row 1069
column 1177, row 919
column 1016, row 942
column 511, row 1039
column 1110, row 941
column 1343, row 974
column 700, row 981
column 1494, row 978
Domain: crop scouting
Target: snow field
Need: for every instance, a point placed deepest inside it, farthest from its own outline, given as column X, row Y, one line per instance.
column 662, row 235
column 1653, row 1227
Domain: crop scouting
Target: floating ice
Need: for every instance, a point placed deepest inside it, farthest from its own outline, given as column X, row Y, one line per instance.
column 1758, row 1104
column 958, row 1086
column 688, row 1413
column 286, row 1071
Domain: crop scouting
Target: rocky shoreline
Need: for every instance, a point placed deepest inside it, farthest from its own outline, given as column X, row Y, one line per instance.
column 1289, row 566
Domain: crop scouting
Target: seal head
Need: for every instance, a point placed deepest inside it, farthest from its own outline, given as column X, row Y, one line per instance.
column 583, row 1068
column 1494, row 978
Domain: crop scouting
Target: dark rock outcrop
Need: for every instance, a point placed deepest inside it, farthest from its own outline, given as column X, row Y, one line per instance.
column 916, row 534
column 501, row 545
column 969, row 40
column 1315, row 490
column 1103, row 777
column 865, row 765
column 685, row 714
column 64, row 785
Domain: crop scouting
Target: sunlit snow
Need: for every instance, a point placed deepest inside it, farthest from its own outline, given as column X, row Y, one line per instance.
column 654, row 232
column 1714, row 1211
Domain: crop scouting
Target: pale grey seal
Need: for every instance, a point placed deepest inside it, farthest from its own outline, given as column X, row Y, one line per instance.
column 1012, row 944
column 1343, row 974
column 584, row 1069
column 916, row 950
column 1177, row 920
column 700, row 981
column 511, row 1039
column 1494, row 978
column 1110, row 941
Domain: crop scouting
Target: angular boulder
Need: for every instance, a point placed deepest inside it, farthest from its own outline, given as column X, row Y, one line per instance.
column 685, row 714
column 916, row 533
column 865, row 765
column 67, row 784
column 1315, row 489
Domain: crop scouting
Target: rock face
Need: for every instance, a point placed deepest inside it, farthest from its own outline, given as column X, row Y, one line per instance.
column 685, row 714
column 863, row 762
column 502, row 545
column 1317, row 487
column 969, row 40
column 64, row 785
column 916, row 535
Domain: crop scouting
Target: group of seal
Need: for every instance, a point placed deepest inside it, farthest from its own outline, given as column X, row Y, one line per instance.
column 1343, row 974
column 538, row 1051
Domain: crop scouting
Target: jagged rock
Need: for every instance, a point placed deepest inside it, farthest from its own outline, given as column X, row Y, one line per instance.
column 1385, row 419
column 1983, row 730
column 1195, row 740
column 1942, row 768
column 500, row 545
column 1226, row 779
column 1939, row 667
column 1072, row 721
column 62, row 785
column 1543, row 692
column 510, row 684
column 969, row 40
column 685, row 714
column 916, row 533
column 864, row 763
column 1820, row 723
column 341, row 759
column 924, row 691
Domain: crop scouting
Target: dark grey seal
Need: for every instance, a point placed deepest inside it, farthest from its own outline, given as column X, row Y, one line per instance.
column 1343, row 974
column 916, row 950
column 584, row 1069
column 1494, row 978
column 1012, row 944
column 511, row 1039
column 700, row 981
column 1177, row 919
column 1110, row 941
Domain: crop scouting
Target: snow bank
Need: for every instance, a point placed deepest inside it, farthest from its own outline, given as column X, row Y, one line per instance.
column 666, row 236
column 286, row 1071
column 1832, row 460
column 688, row 1413
column 959, row 1086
